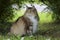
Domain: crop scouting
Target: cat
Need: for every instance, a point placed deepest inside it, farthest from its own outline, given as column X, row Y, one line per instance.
column 27, row 24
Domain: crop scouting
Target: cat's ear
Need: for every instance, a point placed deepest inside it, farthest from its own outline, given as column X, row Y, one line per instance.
column 26, row 6
column 32, row 5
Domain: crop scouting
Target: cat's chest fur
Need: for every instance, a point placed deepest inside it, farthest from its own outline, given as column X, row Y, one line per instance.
column 34, row 21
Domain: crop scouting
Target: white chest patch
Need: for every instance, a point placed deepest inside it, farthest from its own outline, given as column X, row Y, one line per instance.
column 34, row 21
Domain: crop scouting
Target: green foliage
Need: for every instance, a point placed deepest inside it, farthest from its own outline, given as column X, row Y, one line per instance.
column 37, row 37
column 6, row 13
column 55, row 6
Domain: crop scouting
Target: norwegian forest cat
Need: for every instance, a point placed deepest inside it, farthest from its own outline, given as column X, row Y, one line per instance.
column 27, row 24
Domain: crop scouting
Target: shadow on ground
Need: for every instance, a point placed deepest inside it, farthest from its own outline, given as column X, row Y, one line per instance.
column 49, row 29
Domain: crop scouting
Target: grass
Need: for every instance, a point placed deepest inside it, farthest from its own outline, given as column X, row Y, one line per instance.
column 40, row 37
column 45, row 17
column 46, row 28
